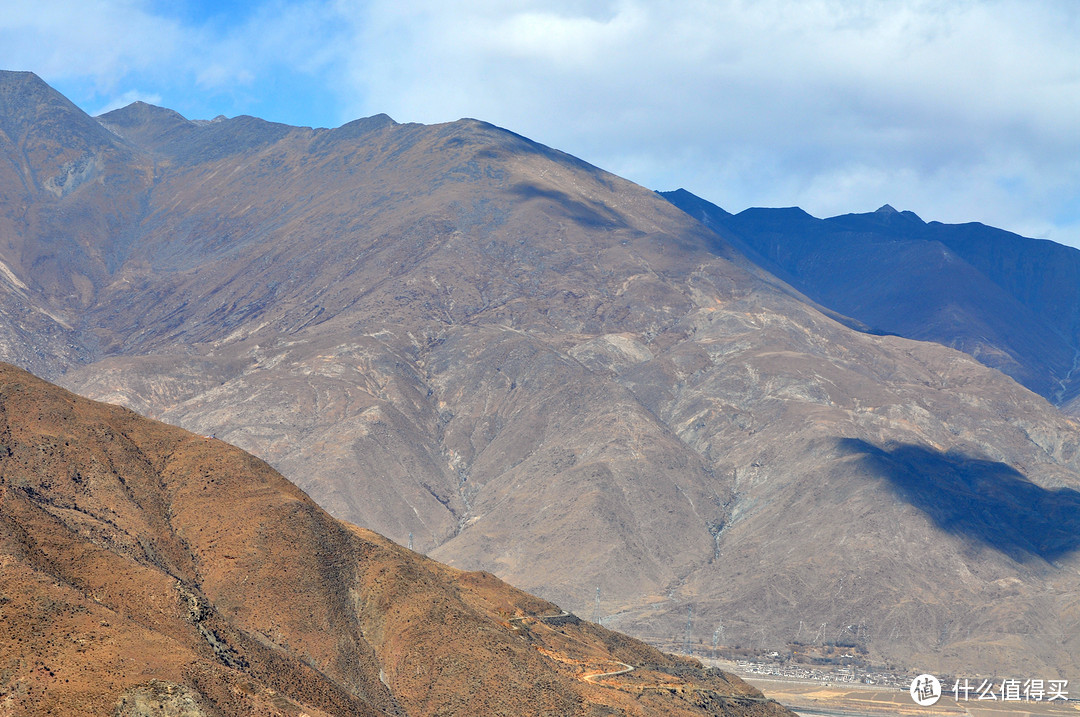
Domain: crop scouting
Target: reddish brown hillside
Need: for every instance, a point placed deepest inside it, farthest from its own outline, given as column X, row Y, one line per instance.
column 147, row 570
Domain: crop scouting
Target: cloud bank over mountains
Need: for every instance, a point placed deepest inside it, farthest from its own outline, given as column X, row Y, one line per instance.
column 957, row 110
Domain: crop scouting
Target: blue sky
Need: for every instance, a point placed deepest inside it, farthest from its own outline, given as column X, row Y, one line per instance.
column 959, row 110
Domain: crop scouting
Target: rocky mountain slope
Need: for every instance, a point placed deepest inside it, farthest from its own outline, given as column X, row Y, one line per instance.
column 150, row 571
column 516, row 362
column 1012, row 303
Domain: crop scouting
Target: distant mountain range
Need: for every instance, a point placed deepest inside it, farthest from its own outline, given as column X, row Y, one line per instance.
column 514, row 361
column 1012, row 303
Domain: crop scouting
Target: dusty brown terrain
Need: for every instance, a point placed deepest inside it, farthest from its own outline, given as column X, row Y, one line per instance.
column 516, row 362
column 150, row 571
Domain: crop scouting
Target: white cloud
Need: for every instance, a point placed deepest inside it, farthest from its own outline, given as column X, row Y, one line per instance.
column 101, row 40
column 104, row 49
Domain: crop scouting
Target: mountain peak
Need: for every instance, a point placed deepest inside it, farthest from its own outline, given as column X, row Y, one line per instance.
column 166, row 132
column 50, row 144
column 886, row 218
column 362, row 126
column 22, row 81
column 780, row 216
column 142, row 113
column 889, row 214
column 28, row 103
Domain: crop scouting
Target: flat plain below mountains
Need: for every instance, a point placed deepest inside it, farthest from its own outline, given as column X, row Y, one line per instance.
column 516, row 362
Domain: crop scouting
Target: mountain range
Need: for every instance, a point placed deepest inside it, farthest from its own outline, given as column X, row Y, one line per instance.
column 513, row 361
column 148, row 571
column 1011, row 302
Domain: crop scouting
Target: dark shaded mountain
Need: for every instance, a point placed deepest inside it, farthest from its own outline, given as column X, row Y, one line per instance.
column 150, row 571
column 1013, row 515
column 1012, row 303
column 516, row 362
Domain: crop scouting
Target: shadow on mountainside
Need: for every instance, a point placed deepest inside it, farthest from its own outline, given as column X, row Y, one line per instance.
column 983, row 500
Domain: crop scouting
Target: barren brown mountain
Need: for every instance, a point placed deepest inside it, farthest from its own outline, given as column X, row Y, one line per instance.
column 516, row 362
column 150, row 571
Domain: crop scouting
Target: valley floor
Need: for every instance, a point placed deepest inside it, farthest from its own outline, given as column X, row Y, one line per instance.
column 814, row 698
